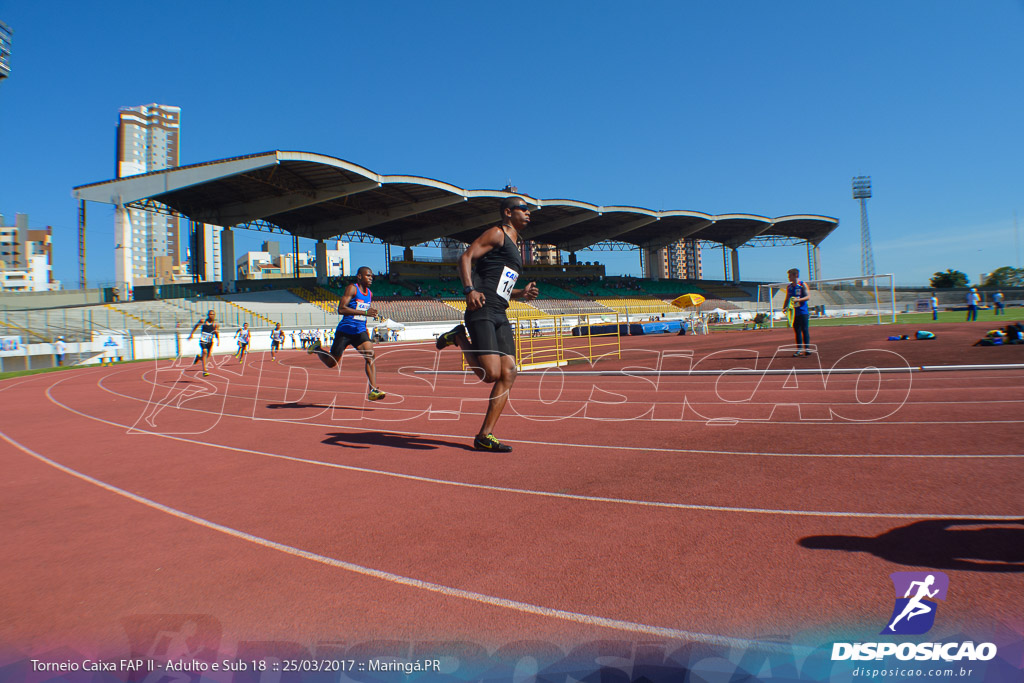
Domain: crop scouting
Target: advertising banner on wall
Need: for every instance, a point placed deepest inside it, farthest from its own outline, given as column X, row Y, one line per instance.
column 113, row 343
column 11, row 346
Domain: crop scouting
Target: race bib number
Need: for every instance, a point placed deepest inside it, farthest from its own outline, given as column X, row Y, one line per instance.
column 362, row 305
column 507, row 283
column 206, row 337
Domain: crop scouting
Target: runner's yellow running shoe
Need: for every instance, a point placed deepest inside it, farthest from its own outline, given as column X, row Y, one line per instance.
column 375, row 395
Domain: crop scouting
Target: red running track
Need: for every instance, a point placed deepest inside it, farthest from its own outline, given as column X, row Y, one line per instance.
column 277, row 503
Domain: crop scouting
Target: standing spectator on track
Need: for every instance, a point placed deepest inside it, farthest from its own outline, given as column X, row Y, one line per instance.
column 797, row 292
column 293, row 339
column 972, row 304
column 935, row 307
column 210, row 331
column 489, row 269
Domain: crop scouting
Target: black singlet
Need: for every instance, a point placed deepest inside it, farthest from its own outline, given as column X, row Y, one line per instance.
column 495, row 274
column 206, row 332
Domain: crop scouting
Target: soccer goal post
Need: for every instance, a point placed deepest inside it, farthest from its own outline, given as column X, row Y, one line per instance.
column 867, row 296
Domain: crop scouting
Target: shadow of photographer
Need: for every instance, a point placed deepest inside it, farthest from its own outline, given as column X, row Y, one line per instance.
column 978, row 545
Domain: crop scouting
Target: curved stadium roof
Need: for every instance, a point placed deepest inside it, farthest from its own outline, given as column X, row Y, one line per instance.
column 321, row 197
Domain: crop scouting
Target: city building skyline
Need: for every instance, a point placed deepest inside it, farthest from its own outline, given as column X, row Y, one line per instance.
column 26, row 256
column 147, row 141
column 270, row 262
column 6, row 39
column 678, row 261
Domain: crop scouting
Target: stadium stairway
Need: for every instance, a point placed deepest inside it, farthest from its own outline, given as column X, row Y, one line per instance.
column 254, row 314
column 24, row 330
column 145, row 323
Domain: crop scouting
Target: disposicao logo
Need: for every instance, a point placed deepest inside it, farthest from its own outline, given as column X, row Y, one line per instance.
column 914, row 614
column 916, row 592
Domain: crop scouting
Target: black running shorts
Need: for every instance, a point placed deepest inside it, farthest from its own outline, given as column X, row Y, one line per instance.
column 342, row 341
column 490, row 333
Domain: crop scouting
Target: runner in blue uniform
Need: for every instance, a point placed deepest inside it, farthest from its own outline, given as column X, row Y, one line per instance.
column 210, row 331
column 489, row 269
column 355, row 307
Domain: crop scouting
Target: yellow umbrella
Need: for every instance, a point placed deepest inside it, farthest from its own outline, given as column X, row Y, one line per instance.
column 688, row 301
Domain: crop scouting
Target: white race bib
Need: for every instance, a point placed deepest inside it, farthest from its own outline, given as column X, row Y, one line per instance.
column 506, row 283
column 362, row 305
column 205, row 337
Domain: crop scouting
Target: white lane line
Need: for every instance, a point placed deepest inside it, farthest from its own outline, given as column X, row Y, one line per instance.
column 358, row 395
column 393, row 408
column 447, row 591
column 760, row 423
column 531, row 492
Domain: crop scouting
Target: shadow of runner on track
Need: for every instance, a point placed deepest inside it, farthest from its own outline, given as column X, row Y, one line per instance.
column 986, row 546
column 389, row 440
column 278, row 406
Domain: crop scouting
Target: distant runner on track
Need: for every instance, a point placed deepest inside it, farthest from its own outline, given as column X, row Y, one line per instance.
column 209, row 332
column 489, row 269
column 355, row 307
column 242, row 336
column 276, row 340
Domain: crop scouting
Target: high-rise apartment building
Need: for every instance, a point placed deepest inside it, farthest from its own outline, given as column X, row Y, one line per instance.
column 147, row 141
column 5, row 50
column 678, row 261
column 26, row 257
column 537, row 254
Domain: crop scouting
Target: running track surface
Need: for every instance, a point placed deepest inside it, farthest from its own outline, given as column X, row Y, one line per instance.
column 275, row 504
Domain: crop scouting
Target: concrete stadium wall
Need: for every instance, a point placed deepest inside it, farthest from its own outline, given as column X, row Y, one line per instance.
column 70, row 297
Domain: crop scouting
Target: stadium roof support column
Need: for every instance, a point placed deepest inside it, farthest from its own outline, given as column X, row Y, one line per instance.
column 321, row 262
column 123, row 251
column 82, row 279
column 735, row 264
column 653, row 262
column 813, row 261
column 228, row 268
column 196, row 266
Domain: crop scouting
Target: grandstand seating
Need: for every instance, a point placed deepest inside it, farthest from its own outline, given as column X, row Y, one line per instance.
column 712, row 303
column 725, row 291
column 570, row 307
column 417, row 310
column 516, row 309
column 638, row 305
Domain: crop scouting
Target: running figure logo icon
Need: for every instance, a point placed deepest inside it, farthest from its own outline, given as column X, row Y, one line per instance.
column 914, row 612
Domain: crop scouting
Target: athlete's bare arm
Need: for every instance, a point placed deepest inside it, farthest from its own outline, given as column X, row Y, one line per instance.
column 490, row 239
column 194, row 328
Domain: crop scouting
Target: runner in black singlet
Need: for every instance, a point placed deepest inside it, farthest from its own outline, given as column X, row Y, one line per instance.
column 210, row 331
column 489, row 269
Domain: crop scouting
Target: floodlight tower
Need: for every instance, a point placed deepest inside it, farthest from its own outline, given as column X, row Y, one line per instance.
column 862, row 191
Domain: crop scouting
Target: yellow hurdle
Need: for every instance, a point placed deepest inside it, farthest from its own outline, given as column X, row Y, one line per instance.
column 548, row 341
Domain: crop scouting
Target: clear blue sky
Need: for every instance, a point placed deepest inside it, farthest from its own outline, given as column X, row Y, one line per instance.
column 722, row 107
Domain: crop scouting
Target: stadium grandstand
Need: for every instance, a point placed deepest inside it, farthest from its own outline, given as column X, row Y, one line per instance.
column 321, row 198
